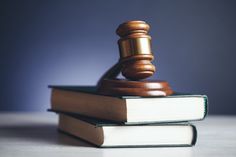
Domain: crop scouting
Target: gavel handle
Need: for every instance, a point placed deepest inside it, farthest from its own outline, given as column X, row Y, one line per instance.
column 111, row 73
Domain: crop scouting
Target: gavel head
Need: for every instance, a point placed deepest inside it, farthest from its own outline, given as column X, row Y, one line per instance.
column 135, row 50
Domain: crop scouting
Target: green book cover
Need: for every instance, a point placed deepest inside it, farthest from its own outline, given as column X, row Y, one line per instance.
column 92, row 90
column 97, row 123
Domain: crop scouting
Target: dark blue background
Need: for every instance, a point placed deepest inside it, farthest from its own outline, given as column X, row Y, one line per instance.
column 74, row 42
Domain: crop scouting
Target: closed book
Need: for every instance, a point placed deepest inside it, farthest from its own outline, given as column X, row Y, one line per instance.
column 107, row 134
column 128, row 109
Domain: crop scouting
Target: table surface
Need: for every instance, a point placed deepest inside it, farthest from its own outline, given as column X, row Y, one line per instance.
column 35, row 134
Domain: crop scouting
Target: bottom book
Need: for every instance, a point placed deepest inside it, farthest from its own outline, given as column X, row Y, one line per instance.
column 108, row 134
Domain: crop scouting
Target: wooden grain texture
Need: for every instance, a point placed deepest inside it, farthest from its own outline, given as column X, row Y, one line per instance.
column 121, row 87
column 35, row 134
column 135, row 50
column 134, row 64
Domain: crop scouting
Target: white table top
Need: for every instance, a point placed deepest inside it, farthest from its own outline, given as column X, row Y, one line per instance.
column 35, row 134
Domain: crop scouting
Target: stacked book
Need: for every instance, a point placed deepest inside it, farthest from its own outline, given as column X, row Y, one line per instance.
column 128, row 121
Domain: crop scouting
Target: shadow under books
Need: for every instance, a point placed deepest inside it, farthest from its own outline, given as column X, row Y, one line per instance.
column 48, row 134
column 40, row 133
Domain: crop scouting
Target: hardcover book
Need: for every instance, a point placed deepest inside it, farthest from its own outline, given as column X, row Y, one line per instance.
column 107, row 134
column 84, row 100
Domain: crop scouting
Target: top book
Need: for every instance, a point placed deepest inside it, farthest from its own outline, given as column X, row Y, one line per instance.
column 84, row 100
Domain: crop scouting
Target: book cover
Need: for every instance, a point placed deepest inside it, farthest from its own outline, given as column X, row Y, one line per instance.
column 84, row 100
column 108, row 134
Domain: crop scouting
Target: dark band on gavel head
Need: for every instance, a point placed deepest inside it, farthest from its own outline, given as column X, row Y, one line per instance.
column 134, row 64
column 135, row 50
column 134, row 39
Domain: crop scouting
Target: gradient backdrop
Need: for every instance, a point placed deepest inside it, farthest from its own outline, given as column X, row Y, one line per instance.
column 73, row 42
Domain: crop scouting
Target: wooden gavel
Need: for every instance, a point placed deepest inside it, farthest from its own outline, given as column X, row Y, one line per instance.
column 134, row 64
